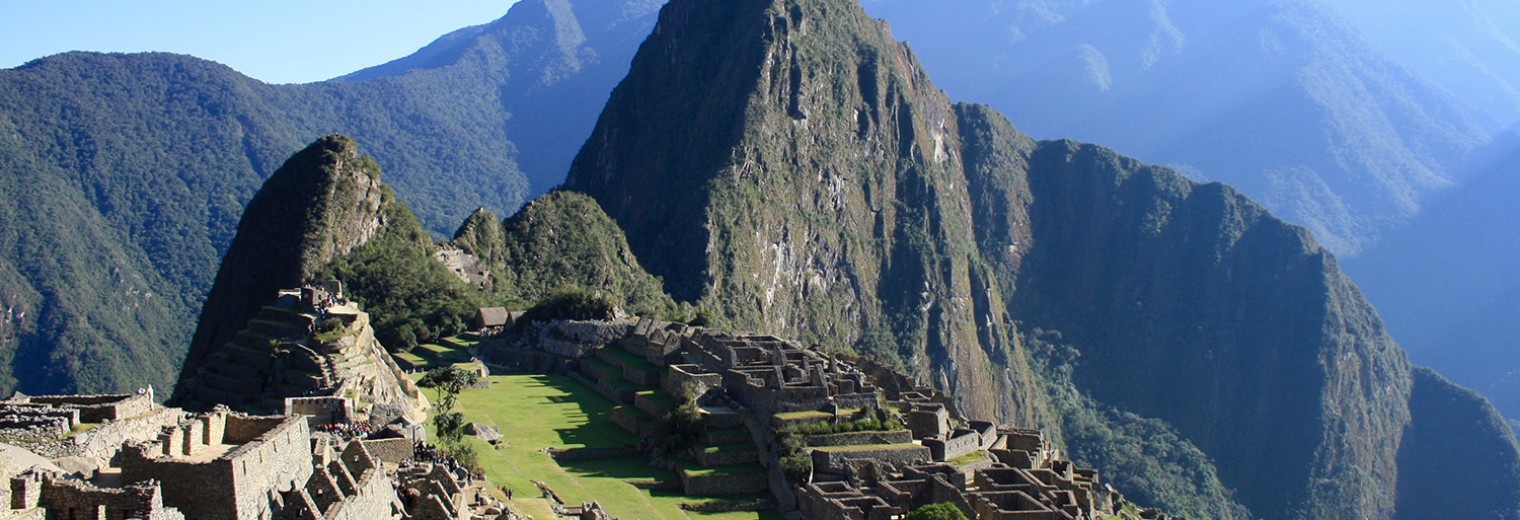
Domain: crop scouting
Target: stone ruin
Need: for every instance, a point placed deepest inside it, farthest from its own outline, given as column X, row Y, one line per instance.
column 167, row 464
column 749, row 388
column 286, row 352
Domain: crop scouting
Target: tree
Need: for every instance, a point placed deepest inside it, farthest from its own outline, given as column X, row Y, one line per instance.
column 448, row 382
column 940, row 511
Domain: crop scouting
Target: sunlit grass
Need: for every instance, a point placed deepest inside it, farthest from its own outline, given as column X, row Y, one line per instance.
column 537, row 411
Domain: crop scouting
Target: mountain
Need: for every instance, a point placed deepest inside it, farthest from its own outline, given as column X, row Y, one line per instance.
column 1447, row 283
column 151, row 158
column 323, row 215
column 1281, row 99
column 564, row 238
column 1469, row 47
column 790, row 168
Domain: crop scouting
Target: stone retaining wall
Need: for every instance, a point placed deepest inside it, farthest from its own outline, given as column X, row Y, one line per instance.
column 718, row 485
column 609, row 391
column 680, row 377
column 576, row 454
column 858, row 438
column 726, row 457
column 833, row 461
column 390, row 451
column 104, row 442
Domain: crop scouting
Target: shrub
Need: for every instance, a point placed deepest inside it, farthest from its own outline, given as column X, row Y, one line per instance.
column 940, row 511
column 571, row 302
column 798, row 467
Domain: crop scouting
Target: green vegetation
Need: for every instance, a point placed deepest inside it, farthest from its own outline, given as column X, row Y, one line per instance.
column 570, row 303
column 940, row 511
column 975, row 456
column 826, row 428
column 681, row 427
column 562, row 251
column 537, row 411
column 411, row 298
column 797, row 466
column 330, row 330
column 1144, row 458
column 448, row 425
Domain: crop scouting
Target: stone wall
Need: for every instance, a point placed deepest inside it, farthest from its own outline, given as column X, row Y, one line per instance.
column 275, row 454
column 575, row 339
column 71, row 499
column 389, row 451
column 964, row 442
column 277, row 459
column 100, row 408
column 858, row 438
column 726, row 457
column 104, row 442
column 680, row 377
column 719, row 485
column 320, row 410
column 826, row 461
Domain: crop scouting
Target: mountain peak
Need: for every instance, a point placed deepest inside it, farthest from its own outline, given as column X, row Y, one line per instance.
column 322, row 203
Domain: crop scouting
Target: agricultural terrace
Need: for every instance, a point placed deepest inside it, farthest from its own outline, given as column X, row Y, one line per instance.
column 536, row 411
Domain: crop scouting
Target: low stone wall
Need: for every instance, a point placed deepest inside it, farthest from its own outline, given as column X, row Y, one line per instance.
column 650, row 405
column 726, row 457
column 576, row 339
column 730, row 507
column 502, row 359
column 609, row 391
column 833, row 461
column 635, row 423
column 859, row 438
column 390, row 451
column 680, row 377
column 100, row 408
column 962, row 444
column 63, row 497
column 600, row 371
column 642, row 377
column 718, row 485
column 576, row 454
column 104, row 442
column 722, row 418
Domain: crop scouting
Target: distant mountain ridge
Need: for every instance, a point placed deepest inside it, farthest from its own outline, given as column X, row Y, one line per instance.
column 1281, row 99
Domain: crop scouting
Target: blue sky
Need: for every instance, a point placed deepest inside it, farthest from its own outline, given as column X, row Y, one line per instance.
column 278, row 41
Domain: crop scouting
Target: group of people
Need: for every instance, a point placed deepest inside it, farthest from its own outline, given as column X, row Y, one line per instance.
column 424, row 452
column 347, row 431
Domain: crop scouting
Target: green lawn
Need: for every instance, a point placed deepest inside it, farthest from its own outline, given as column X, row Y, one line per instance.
column 804, row 416
column 975, row 456
column 536, row 411
column 450, row 351
column 630, row 359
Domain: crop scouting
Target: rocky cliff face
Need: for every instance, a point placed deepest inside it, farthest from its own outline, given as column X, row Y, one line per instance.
column 324, row 202
column 1193, row 305
column 788, row 165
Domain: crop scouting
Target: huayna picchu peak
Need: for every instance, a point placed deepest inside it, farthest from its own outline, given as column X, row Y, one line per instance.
column 786, row 276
